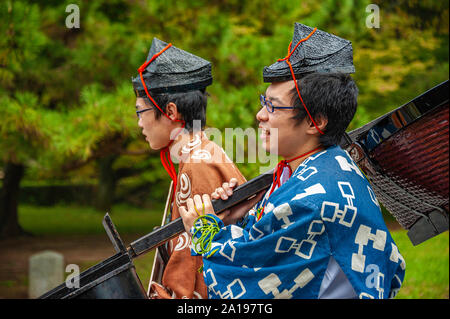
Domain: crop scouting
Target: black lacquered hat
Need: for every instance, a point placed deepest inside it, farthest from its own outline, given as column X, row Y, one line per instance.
column 174, row 70
column 322, row 52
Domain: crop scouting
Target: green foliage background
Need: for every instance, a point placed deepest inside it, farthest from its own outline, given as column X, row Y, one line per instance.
column 66, row 97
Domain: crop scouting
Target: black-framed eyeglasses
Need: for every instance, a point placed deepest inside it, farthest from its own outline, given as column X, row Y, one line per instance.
column 138, row 113
column 269, row 106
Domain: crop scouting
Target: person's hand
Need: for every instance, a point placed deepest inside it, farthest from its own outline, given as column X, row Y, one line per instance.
column 232, row 215
column 195, row 207
column 202, row 206
column 225, row 191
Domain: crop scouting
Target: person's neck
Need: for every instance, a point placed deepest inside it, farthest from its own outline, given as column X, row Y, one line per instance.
column 304, row 149
column 184, row 138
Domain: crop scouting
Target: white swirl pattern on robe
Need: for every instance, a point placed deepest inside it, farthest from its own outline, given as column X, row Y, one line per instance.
column 185, row 190
column 183, row 241
column 201, row 155
column 196, row 142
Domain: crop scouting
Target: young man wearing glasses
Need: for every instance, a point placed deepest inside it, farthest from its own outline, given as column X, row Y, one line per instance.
column 171, row 107
column 318, row 231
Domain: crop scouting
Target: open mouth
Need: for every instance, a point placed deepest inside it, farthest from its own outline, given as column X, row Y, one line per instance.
column 265, row 133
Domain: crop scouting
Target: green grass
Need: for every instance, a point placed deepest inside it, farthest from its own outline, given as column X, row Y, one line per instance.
column 427, row 267
column 72, row 220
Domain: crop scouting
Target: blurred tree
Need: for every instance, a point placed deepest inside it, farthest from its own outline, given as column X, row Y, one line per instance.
column 39, row 67
column 94, row 133
column 22, row 134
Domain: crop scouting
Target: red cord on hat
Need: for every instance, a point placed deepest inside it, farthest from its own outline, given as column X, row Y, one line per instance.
column 164, row 154
column 286, row 59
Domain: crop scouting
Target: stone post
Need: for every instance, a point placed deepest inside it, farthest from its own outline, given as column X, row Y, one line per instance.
column 46, row 271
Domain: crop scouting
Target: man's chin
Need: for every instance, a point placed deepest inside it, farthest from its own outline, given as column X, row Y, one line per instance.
column 152, row 146
column 155, row 147
column 271, row 149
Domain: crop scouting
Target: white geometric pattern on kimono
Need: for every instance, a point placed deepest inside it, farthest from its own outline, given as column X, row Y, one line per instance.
column 322, row 235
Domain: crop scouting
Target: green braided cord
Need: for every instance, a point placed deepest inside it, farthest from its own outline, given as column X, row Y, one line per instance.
column 208, row 228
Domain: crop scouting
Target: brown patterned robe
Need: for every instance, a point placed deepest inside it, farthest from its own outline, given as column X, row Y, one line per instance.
column 203, row 167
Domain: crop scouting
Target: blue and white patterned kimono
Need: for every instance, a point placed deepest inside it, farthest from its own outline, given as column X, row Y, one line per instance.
column 322, row 235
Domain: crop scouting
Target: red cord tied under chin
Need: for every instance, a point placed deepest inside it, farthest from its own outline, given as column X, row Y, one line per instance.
column 164, row 154
column 280, row 168
column 286, row 59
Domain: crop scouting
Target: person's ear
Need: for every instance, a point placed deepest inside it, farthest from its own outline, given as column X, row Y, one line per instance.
column 172, row 111
column 321, row 122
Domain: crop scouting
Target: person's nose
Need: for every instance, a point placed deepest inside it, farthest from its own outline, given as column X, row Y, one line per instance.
column 140, row 122
column 262, row 115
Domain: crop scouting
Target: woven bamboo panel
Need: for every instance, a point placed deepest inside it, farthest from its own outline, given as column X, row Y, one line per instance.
column 414, row 166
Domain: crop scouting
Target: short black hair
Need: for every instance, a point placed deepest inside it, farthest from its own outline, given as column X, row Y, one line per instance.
column 191, row 105
column 331, row 95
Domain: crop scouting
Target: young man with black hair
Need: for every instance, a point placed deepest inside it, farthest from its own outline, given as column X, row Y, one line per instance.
column 318, row 231
column 171, row 107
